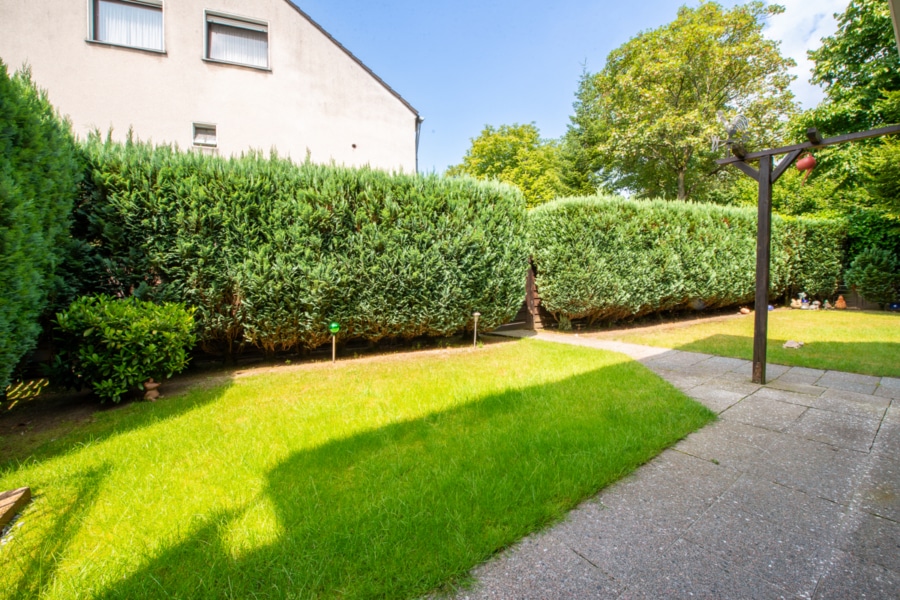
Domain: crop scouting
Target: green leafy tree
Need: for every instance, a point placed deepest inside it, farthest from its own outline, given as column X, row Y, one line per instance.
column 644, row 122
column 858, row 65
column 517, row 155
column 859, row 68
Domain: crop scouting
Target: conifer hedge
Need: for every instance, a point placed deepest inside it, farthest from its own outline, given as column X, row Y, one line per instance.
column 39, row 175
column 268, row 252
column 612, row 258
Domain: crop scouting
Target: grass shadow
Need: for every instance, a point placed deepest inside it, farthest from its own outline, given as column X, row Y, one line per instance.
column 881, row 359
column 55, row 526
column 401, row 510
column 102, row 424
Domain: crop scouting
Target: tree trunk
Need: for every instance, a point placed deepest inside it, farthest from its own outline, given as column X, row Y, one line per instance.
column 682, row 193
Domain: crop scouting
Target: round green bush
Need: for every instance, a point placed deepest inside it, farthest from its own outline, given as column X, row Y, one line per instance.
column 114, row 345
column 875, row 273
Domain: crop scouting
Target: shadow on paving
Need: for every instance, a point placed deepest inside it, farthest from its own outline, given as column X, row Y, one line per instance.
column 398, row 511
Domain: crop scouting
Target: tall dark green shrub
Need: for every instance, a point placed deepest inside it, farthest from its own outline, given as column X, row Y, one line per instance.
column 611, row 258
column 875, row 273
column 269, row 252
column 815, row 248
column 39, row 175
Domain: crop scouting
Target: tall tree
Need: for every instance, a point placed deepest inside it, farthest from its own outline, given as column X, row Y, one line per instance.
column 643, row 124
column 517, row 155
column 857, row 66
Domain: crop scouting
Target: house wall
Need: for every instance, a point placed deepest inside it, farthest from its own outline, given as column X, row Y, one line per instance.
column 314, row 98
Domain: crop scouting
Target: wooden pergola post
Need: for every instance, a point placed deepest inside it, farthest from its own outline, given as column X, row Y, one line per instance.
column 763, row 263
column 766, row 176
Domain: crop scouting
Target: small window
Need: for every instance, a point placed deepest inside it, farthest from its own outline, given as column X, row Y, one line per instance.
column 237, row 41
column 132, row 23
column 205, row 135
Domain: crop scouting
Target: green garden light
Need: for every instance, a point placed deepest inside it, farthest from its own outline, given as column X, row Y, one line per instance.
column 334, row 327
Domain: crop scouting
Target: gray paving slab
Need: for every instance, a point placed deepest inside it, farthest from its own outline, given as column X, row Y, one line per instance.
column 793, row 493
column 861, row 405
column 893, row 413
column 761, row 411
column 880, row 488
column 781, row 556
column 721, row 443
column 889, row 387
column 672, row 475
column 803, row 374
column 682, row 382
column 793, row 386
column 813, row 467
column 687, row 570
column 876, row 541
column 738, row 376
column 715, row 365
column 625, row 543
column 786, row 396
column 851, row 578
column 852, row 382
column 542, row 568
column 675, row 360
column 787, row 508
column 837, row 429
column 736, row 384
column 885, row 392
column 715, row 397
column 892, row 383
column 887, row 440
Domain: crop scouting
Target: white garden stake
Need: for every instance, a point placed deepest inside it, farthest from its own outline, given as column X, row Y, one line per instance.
column 475, row 339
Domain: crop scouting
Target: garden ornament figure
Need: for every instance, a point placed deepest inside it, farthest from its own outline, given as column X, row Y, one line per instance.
column 732, row 128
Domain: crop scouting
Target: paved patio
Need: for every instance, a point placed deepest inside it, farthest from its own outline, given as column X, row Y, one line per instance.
column 793, row 493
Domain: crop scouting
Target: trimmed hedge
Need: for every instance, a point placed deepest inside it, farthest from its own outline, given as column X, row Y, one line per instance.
column 612, row 258
column 268, row 252
column 39, row 175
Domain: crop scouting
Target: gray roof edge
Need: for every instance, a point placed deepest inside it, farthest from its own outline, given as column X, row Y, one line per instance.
column 355, row 59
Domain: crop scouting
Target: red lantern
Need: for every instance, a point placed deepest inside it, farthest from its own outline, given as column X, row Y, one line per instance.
column 807, row 163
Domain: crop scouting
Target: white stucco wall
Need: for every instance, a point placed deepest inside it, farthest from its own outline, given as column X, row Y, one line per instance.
column 314, row 97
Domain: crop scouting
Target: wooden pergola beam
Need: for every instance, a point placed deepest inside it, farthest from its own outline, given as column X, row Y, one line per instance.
column 840, row 139
column 766, row 177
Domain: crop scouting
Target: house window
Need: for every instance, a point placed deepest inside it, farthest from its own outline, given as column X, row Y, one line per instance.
column 132, row 23
column 205, row 135
column 237, row 41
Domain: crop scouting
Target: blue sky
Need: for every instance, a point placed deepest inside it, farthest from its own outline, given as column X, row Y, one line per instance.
column 467, row 63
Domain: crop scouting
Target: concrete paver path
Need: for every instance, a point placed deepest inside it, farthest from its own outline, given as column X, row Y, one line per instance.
column 793, row 493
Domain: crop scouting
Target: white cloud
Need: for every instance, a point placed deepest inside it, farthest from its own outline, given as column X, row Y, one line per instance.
column 799, row 28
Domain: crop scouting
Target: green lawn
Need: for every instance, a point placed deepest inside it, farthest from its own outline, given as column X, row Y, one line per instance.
column 854, row 341
column 384, row 477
